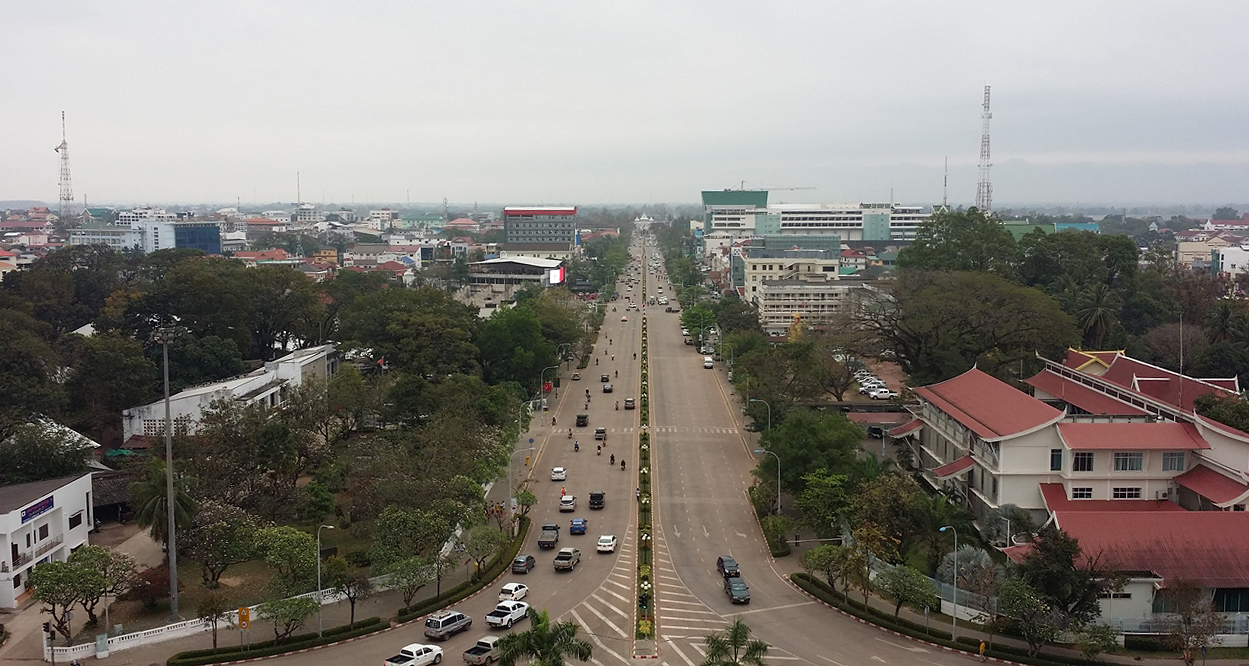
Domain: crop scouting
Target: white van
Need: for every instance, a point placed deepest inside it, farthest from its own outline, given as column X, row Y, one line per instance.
column 707, row 362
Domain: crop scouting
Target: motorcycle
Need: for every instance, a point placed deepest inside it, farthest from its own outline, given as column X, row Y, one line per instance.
column 600, row 450
column 617, row 405
column 552, row 420
column 570, row 433
column 622, row 465
column 613, row 460
column 576, row 446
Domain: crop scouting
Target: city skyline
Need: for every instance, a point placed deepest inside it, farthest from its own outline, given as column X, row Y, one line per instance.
column 647, row 102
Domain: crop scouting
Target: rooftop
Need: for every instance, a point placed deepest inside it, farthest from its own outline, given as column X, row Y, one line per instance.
column 988, row 406
column 1055, row 496
column 526, row 261
column 1132, row 436
column 540, row 210
column 1221, row 490
column 17, row 496
column 1078, row 395
column 1164, row 385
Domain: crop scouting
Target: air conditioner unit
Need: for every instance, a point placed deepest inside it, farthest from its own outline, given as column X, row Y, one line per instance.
column 1165, row 495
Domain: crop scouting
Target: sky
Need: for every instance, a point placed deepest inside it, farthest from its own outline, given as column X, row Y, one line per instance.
column 531, row 102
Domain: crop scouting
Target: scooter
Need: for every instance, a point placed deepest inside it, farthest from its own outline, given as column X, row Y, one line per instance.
column 613, row 460
column 622, row 465
column 600, row 450
column 576, row 446
column 570, row 433
column 617, row 405
column 552, row 420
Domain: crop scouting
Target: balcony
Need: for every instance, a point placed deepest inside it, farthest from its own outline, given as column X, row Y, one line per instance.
column 22, row 558
column 49, row 545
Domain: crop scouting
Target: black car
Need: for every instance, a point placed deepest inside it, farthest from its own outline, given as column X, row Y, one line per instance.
column 583, row 420
column 604, row 378
column 727, row 567
column 736, row 590
column 523, row 564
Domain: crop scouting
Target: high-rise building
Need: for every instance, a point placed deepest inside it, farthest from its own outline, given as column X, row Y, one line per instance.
column 540, row 224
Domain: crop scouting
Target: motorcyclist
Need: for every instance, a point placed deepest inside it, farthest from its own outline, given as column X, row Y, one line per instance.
column 617, row 374
column 576, row 446
column 600, row 449
column 617, row 405
column 613, row 459
column 570, row 433
column 622, row 465
column 552, row 420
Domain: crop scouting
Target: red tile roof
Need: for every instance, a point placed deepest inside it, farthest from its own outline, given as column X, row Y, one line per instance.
column 957, row 467
column 1223, row 491
column 1055, row 496
column 877, row 418
column 987, row 406
column 1159, row 383
column 262, row 255
column 1080, row 396
column 1205, row 547
column 903, row 429
column 1132, row 436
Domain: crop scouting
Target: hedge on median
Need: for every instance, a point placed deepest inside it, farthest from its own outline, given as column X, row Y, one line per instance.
column 271, row 648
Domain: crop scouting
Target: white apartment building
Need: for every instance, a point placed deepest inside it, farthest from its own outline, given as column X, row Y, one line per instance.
column 307, row 214
column 808, row 299
column 267, row 385
column 148, row 229
column 1231, row 260
column 39, row 522
column 761, row 265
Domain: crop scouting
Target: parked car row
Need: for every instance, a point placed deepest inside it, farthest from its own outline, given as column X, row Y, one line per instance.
column 872, row 386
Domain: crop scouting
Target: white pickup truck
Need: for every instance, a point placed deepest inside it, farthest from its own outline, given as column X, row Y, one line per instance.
column 507, row 613
column 416, row 655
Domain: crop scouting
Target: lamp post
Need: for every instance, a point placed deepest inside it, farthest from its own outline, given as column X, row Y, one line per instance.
column 511, row 479
column 778, row 477
column 163, row 336
column 542, row 376
column 567, row 357
column 954, row 615
column 319, row 600
column 765, row 402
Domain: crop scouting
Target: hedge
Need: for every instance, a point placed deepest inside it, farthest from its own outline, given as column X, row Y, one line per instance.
column 468, row 588
column 271, row 648
column 821, row 590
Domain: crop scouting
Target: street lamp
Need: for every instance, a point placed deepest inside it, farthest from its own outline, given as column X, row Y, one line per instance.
column 542, row 376
column 769, row 405
column 778, row 477
column 319, row 599
column 566, row 356
column 511, row 489
column 163, row 336
column 954, row 615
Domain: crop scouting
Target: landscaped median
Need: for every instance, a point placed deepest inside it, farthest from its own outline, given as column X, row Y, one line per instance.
column 497, row 567
column 823, row 592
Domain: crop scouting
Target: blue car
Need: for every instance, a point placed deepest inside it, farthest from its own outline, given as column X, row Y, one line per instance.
column 577, row 526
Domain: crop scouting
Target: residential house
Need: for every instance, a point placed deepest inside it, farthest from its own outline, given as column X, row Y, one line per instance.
column 1194, row 249
column 326, row 255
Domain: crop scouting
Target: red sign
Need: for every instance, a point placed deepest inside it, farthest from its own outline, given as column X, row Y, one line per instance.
column 546, row 387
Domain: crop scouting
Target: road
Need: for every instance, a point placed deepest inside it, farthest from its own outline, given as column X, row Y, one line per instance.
column 701, row 462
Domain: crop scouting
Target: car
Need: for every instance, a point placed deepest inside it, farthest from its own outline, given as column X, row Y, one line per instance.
column 624, row 318
column 606, row 543
column 727, row 566
column 559, row 474
column 607, row 388
column 689, row 341
column 446, row 623
column 600, row 433
column 567, row 559
column 567, row 503
column 629, row 404
column 604, row 378
column 736, row 590
column 513, row 592
column 583, row 420
column 523, row 564
column 416, row 655
column 576, row 376
column 578, row 525
column 882, row 394
column 707, row 351
column 685, row 331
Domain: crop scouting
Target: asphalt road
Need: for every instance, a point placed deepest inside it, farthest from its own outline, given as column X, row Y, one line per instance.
column 702, row 463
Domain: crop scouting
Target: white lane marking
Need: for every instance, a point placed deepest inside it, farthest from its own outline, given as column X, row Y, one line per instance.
column 614, row 595
column 904, row 647
column 604, row 618
column 669, row 577
column 676, row 531
column 609, row 605
column 619, row 585
column 680, row 653
column 757, row 610
column 701, row 650
column 675, row 601
column 875, row 658
column 695, row 610
column 835, row 663
column 741, row 535
column 705, row 532
column 594, row 637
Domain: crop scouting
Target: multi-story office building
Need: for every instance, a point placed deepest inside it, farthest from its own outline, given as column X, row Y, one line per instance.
column 809, row 299
column 40, row 522
column 747, row 213
column 147, row 229
column 540, row 224
column 198, row 235
column 762, row 265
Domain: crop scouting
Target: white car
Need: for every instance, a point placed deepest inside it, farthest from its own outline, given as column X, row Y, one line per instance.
column 513, row 592
column 882, row 394
column 623, row 318
column 416, row 655
column 559, row 474
column 567, row 503
column 607, row 543
column 685, row 331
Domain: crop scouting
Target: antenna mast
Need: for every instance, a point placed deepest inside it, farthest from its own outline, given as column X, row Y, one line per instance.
column 67, row 189
column 945, row 185
column 984, row 189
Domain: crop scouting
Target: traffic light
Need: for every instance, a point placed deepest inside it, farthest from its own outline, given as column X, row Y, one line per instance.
column 47, row 627
column 643, row 600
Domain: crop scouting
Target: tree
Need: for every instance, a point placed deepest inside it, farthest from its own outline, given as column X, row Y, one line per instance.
column 287, row 615
column 409, row 576
column 1226, row 213
column 1096, row 639
column 908, row 586
column 482, row 543
column 402, row 533
column 345, row 580
column 110, row 374
column 292, row 553
column 37, row 451
column 868, row 541
column 934, row 512
column 283, row 305
column 214, row 608
column 220, row 536
column 545, row 643
column 824, row 502
column 148, row 497
column 103, row 572
column 1192, row 622
column 888, row 503
column 29, row 367
column 348, row 399
column 806, row 442
column 736, row 316
column 734, row 647
column 970, row 240
column 978, row 575
column 1068, row 581
column 513, row 347
column 525, row 499
column 197, row 360
column 831, row 560
column 59, row 586
column 1032, row 616
column 1098, row 313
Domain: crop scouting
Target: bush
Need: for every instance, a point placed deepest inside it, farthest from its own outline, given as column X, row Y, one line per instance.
column 1146, row 643
column 358, row 559
column 270, row 648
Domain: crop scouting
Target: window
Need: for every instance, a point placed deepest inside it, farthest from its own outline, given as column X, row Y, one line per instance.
column 1173, row 461
column 1129, row 462
column 1125, row 493
column 75, row 520
column 43, row 531
column 1081, row 493
column 1082, row 461
column 1056, row 460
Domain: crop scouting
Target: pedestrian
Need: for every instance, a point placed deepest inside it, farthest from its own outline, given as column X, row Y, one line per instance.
column 982, row 647
column 562, row 491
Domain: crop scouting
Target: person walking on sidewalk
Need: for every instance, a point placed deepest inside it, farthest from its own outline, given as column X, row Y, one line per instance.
column 982, row 647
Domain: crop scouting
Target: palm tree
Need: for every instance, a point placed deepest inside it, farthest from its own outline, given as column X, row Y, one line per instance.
column 1222, row 322
column 1098, row 313
column 545, row 643
column 148, row 498
column 935, row 512
column 734, row 647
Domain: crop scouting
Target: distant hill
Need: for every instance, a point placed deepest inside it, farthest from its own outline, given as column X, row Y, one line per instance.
column 22, row 203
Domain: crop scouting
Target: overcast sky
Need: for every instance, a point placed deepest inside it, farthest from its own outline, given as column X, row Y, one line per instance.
column 543, row 101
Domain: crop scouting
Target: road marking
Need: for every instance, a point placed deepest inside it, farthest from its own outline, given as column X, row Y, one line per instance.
column 682, row 627
column 875, row 658
column 700, row 649
column 742, row 535
column 604, row 619
column 756, row 610
column 695, row 610
column 705, row 532
column 676, row 531
column 619, row 585
column 614, row 595
column 609, row 605
column 669, row 577
column 682, row 587
column 594, row 637
column 904, row 647
column 680, row 653
column 772, row 656
column 835, row 663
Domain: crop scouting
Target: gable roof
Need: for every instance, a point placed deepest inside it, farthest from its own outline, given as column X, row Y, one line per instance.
column 1161, row 384
column 987, row 406
column 1055, row 498
column 1081, row 396
column 1161, row 436
column 1221, row 490
column 19, row 495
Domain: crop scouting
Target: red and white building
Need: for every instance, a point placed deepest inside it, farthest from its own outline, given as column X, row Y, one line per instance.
column 540, row 224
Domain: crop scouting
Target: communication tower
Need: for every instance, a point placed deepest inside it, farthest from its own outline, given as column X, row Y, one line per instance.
column 67, row 189
column 984, row 189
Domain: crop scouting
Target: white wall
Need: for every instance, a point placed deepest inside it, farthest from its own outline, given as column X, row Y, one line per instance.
column 72, row 500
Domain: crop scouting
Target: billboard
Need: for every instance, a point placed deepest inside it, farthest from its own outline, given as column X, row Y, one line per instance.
column 556, row 276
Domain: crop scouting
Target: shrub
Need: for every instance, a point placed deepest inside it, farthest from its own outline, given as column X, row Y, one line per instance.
column 358, row 558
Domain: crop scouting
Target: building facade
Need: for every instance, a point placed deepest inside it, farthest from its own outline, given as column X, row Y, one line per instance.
column 807, row 299
column 540, row 224
column 198, row 235
column 40, row 522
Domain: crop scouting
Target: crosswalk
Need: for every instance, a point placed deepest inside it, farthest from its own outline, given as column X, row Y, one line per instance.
column 709, row 431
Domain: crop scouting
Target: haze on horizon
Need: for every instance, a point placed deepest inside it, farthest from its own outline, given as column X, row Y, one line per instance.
column 558, row 101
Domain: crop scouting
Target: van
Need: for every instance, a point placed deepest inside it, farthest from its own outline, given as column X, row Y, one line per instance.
column 707, row 362
column 443, row 624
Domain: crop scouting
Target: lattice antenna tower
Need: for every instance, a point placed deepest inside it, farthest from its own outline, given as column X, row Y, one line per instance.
column 984, row 188
column 67, row 188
